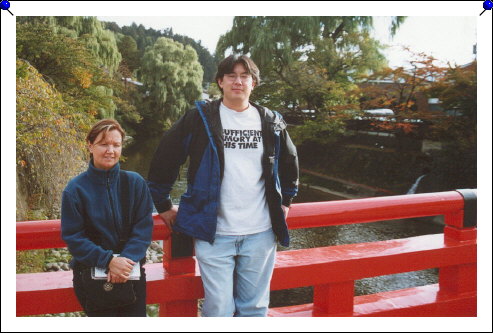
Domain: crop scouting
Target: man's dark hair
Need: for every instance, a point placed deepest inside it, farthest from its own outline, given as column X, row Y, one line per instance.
column 227, row 65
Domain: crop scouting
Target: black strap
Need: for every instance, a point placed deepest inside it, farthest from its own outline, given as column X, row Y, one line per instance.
column 125, row 203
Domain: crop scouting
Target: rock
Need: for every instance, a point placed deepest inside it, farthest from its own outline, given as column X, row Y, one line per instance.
column 155, row 246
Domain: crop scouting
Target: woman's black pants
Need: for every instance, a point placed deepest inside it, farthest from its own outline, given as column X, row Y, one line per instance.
column 137, row 309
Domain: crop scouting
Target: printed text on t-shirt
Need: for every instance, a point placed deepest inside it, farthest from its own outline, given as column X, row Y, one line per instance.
column 241, row 139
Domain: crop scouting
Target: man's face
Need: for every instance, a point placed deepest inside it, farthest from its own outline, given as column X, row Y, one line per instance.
column 238, row 85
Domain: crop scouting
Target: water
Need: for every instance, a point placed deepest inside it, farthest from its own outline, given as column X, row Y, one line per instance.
column 413, row 188
column 138, row 159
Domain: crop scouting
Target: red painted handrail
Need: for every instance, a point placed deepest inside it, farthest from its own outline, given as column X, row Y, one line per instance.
column 32, row 235
column 176, row 283
column 46, row 234
column 320, row 214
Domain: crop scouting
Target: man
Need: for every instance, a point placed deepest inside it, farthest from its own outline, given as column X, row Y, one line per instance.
column 242, row 177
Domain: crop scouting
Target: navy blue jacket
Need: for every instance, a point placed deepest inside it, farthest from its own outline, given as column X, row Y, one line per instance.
column 198, row 135
column 94, row 197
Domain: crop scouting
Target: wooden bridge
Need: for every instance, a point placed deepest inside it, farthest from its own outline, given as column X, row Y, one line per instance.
column 176, row 285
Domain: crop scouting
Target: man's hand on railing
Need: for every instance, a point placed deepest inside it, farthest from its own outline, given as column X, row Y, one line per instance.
column 285, row 210
column 169, row 216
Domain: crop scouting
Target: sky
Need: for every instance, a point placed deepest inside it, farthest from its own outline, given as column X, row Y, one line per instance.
column 421, row 34
column 437, row 33
column 447, row 38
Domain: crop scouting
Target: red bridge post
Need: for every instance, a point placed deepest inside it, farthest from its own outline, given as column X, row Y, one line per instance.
column 334, row 299
column 461, row 227
column 175, row 267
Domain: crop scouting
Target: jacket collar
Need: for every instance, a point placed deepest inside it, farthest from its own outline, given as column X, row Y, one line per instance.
column 101, row 176
column 214, row 117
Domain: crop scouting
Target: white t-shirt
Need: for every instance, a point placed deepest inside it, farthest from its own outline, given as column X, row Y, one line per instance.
column 243, row 208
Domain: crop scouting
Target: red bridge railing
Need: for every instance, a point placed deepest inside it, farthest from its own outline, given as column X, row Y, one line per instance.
column 176, row 285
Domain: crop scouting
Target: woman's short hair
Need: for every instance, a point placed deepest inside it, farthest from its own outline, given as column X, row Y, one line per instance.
column 227, row 65
column 104, row 125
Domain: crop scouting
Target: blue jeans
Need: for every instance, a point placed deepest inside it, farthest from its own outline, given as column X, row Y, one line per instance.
column 236, row 273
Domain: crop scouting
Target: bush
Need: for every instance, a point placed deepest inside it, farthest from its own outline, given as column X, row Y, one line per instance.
column 50, row 141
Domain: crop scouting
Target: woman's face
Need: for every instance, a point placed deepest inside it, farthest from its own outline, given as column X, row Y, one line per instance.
column 106, row 152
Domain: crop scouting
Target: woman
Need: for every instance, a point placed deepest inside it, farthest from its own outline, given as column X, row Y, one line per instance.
column 95, row 206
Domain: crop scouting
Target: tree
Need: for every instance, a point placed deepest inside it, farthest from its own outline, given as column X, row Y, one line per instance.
column 401, row 94
column 277, row 41
column 89, row 30
column 130, row 54
column 50, row 140
column 407, row 90
column 128, row 97
column 457, row 91
column 402, row 90
column 309, row 88
column 172, row 76
column 205, row 58
column 306, row 61
column 67, row 64
column 147, row 37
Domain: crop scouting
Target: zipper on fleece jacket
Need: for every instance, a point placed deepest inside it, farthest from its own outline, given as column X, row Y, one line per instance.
column 115, row 223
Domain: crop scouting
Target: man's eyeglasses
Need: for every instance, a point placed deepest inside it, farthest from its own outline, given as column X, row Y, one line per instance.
column 233, row 77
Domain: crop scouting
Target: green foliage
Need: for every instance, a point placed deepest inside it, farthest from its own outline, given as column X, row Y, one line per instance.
column 319, row 132
column 346, row 58
column 306, row 62
column 147, row 37
column 213, row 91
column 205, row 58
column 457, row 91
column 29, row 261
column 305, row 86
column 277, row 41
column 271, row 41
column 106, row 110
column 173, row 76
column 130, row 54
column 68, row 66
column 89, row 31
column 49, row 140
column 70, row 52
column 62, row 60
column 127, row 113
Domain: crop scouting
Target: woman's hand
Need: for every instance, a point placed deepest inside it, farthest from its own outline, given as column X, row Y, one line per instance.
column 115, row 279
column 119, row 269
